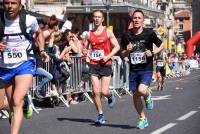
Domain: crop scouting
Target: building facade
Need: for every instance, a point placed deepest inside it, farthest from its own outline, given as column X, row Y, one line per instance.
column 116, row 12
column 196, row 19
column 182, row 23
column 182, row 19
column 196, row 15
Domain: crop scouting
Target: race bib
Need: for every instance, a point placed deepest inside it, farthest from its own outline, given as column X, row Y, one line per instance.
column 160, row 63
column 14, row 55
column 97, row 54
column 138, row 58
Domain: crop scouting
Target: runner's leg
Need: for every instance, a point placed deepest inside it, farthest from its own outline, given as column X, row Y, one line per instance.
column 105, row 86
column 96, row 93
column 16, row 93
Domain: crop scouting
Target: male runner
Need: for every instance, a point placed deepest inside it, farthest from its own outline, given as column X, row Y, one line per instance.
column 103, row 45
column 138, row 46
column 16, row 67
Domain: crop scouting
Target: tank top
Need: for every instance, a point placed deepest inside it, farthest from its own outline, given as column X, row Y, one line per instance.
column 100, row 46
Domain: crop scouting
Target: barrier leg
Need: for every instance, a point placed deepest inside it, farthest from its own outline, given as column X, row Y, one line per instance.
column 5, row 113
column 89, row 98
column 31, row 103
column 61, row 97
column 127, row 90
column 115, row 92
column 86, row 88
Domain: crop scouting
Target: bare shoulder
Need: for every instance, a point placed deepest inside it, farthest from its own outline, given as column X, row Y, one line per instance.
column 109, row 33
column 46, row 33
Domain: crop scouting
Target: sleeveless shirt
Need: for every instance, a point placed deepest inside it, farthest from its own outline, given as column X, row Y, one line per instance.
column 100, row 46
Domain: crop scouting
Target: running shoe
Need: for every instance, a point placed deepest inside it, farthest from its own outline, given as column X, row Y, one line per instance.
column 149, row 102
column 111, row 101
column 161, row 88
column 100, row 120
column 142, row 123
column 27, row 109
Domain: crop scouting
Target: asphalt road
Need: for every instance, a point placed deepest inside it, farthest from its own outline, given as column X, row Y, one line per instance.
column 176, row 111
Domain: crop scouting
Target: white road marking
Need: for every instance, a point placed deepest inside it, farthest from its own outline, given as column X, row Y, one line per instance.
column 177, row 88
column 198, row 107
column 188, row 78
column 164, row 128
column 165, row 97
column 186, row 115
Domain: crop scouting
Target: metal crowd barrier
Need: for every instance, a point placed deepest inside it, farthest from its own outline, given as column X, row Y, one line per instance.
column 120, row 78
column 177, row 70
column 75, row 77
column 75, row 71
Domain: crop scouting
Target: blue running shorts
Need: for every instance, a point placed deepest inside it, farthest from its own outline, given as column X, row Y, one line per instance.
column 139, row 77
column 161, row 70
column 7, row 75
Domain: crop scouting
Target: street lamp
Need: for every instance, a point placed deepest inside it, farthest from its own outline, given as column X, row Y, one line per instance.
column 107, row 4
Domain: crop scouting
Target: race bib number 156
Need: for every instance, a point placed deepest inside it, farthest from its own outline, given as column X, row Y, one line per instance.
column 138, row 58
column 97, row 54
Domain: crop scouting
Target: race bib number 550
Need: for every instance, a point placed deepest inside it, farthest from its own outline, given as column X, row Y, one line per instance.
column 138, row 58
column 14, row 55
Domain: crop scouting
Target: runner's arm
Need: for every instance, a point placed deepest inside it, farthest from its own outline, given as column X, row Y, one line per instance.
column 40, row 42
column 114, row 43
column 40, row 39
column 2, row 46
column 159, row 49
column 158, row 43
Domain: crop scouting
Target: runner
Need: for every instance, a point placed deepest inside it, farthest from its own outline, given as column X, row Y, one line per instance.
column 16, row 67
column 138, row 46
column 160, row 71
column 101, row 41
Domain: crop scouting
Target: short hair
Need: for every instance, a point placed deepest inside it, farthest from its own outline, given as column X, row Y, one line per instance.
column 52, row 21
column 138, row 11
column 98, row 11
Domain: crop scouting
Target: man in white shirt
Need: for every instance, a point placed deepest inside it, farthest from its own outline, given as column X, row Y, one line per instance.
column 16, row 67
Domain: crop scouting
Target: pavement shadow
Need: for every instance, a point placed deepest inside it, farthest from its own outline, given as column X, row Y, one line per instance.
column 92, row 123
column 76, row 120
